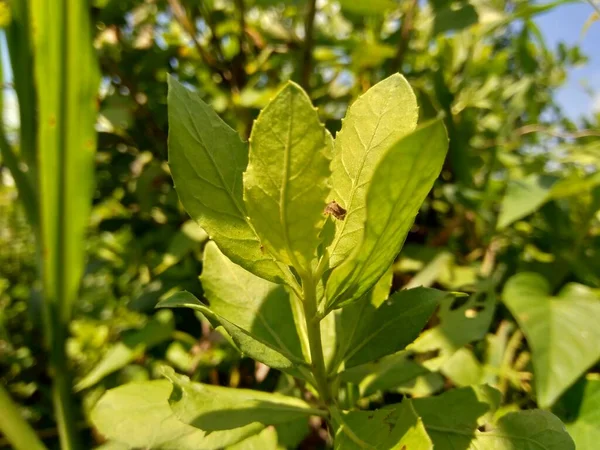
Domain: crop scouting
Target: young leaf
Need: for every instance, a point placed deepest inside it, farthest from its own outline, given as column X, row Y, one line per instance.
column 253, row 347
column 216, row 408
column 461, row 321
column 387, row 429
column 207, row 160
column 371, row 332
column 562, row 331
column 285, row 185
column 138, row 415
column 399, row 185
column 376, row 121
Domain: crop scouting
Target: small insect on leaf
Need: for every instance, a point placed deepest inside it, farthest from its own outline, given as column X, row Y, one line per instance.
column 335, row 210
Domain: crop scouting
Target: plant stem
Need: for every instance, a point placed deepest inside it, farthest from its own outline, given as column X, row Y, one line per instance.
column 18, row 432
column 313, row 328
column 308, row 45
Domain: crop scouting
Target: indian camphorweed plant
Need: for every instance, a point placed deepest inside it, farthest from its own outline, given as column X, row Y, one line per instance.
column 304, row 230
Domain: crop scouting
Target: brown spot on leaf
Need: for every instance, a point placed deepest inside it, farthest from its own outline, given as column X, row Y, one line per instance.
column 335, row 210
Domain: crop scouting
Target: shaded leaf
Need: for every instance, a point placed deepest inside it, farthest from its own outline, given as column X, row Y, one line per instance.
column 562, row 331
column 453, row 421
column 255, row 305
column 386, row 374
column 248, row 344
column 138, row 415
column 461, row 321
column 400, row 183
column 388, row 328
column 285, row 185
column 215, row 408
column 396, row 428
column 454, row 19
column 579, row 409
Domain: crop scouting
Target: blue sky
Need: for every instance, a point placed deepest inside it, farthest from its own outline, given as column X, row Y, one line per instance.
column 565, row 23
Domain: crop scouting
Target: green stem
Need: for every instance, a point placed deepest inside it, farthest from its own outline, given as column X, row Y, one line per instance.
column 18, row 432
column 313, row 328
column 62, row 386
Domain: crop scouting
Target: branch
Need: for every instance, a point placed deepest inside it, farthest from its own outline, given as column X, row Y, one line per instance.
column 406, row 30
column 308, row 45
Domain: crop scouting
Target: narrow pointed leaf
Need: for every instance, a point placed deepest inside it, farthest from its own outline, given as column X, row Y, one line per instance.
column 376, row 121
column 215, row 408
column 286, row 183
column 388, row 328
column 250, row 345
column 462, row 320
column 400, row 183
column 207, row 160
column 562, row 331
column 139, row 416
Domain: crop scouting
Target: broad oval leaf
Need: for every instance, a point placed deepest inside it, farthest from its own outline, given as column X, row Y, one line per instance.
column 562, row 331
column 207, row 160
column 216, row 408
column 286, row 183
column 453, row 421
column 139, row 415
column 399, row 185
column 385, row 113
column 579, row 409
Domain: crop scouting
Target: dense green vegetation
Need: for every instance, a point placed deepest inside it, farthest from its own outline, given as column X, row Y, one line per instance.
column 98, row 235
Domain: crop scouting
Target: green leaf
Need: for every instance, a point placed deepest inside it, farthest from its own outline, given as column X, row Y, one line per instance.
column 562, row 331
column 265, row 440
column 579, row 408
column 370, row 332
column 461, row 321
column 253, row 347
column 373, row 8
column 396, row 428
column 390, row 372
column 385, row 113
column 453, row 421
column 157, row 330
column 257, row 306
column 524, row 197
column 400, row 183
column 138, row 415
column 207, row 160
column 216, row 408
column 285, row 185
column 454, row 19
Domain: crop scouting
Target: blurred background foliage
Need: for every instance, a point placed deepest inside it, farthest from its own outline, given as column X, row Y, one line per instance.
column 520, row 192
